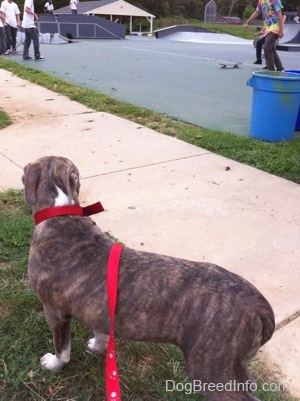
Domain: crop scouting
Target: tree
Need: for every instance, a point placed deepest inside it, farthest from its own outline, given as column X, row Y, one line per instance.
column 182, row 8
column 232, row 4
column 249, row 10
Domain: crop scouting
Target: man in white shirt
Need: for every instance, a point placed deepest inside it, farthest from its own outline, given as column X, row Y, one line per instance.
column 73, row 6
column 31, row 32
column 48, row 7
column 11, row 13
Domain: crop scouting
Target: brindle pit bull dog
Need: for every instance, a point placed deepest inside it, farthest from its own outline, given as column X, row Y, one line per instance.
column 218, row 319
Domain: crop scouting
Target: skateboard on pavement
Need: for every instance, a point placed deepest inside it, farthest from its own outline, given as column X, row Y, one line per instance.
column 230, row 64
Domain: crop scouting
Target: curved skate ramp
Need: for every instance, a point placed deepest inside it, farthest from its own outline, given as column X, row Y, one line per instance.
column 291, row 34
column 198, row 35
column 203, row 37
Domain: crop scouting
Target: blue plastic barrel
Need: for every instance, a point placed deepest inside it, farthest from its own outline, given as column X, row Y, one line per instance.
column 297, row 127
column 275, row 105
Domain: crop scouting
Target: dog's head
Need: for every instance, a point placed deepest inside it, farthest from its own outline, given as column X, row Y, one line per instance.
column 51, row 181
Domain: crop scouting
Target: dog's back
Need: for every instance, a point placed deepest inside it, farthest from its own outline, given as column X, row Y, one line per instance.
column 217, row 318
column 150, row 284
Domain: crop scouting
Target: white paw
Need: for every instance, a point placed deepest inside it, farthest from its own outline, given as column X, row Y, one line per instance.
column 51, row 362
column 96, row 346
column 91, row 344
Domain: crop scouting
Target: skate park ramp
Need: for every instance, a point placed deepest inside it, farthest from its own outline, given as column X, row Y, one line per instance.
column 207, row 38
column 291, row 38
column 81, row 27
column 291, row 34
column 198, row 35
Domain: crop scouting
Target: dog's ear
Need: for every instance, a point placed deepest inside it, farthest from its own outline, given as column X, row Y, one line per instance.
column 30, row 179
column 72, row 184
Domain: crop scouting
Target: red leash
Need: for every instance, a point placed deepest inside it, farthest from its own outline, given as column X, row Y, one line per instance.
column 113, row 392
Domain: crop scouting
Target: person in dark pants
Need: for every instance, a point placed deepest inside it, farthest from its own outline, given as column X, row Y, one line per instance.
column 31, row 32
column 273, row 18
column 258, row 44
column 11, row 13
column 2, row 34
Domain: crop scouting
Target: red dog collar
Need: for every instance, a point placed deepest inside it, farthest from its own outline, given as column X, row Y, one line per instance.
column 55, row 211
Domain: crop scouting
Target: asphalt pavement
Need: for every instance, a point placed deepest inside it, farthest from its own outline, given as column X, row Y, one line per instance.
column 181, row 79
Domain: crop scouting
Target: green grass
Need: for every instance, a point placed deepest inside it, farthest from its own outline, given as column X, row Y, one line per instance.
column 4, row 119
column 236, row 30
column 25, row 337
column 278, row 158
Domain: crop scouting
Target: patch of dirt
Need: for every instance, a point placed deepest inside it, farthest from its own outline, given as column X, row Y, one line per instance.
column 4, row 311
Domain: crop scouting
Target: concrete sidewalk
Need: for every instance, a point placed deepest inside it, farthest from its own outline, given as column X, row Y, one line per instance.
column 166, row 196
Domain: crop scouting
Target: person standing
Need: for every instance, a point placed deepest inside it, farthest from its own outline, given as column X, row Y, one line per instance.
column 273, row 17
column 73, row 6
column 48, row 7
column 31, row 32
column 11, row 13
column 51, row 7
column 296, row 19
column 2, row 34
column 258, row 44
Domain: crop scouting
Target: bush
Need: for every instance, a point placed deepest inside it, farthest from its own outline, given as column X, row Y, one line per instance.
column 249, row 10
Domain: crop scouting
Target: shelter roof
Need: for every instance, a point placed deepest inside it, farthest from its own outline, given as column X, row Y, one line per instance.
column 107, row 7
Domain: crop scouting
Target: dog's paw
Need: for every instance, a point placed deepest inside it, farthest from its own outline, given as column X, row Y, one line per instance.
column 51, row 362
column 96, row 346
